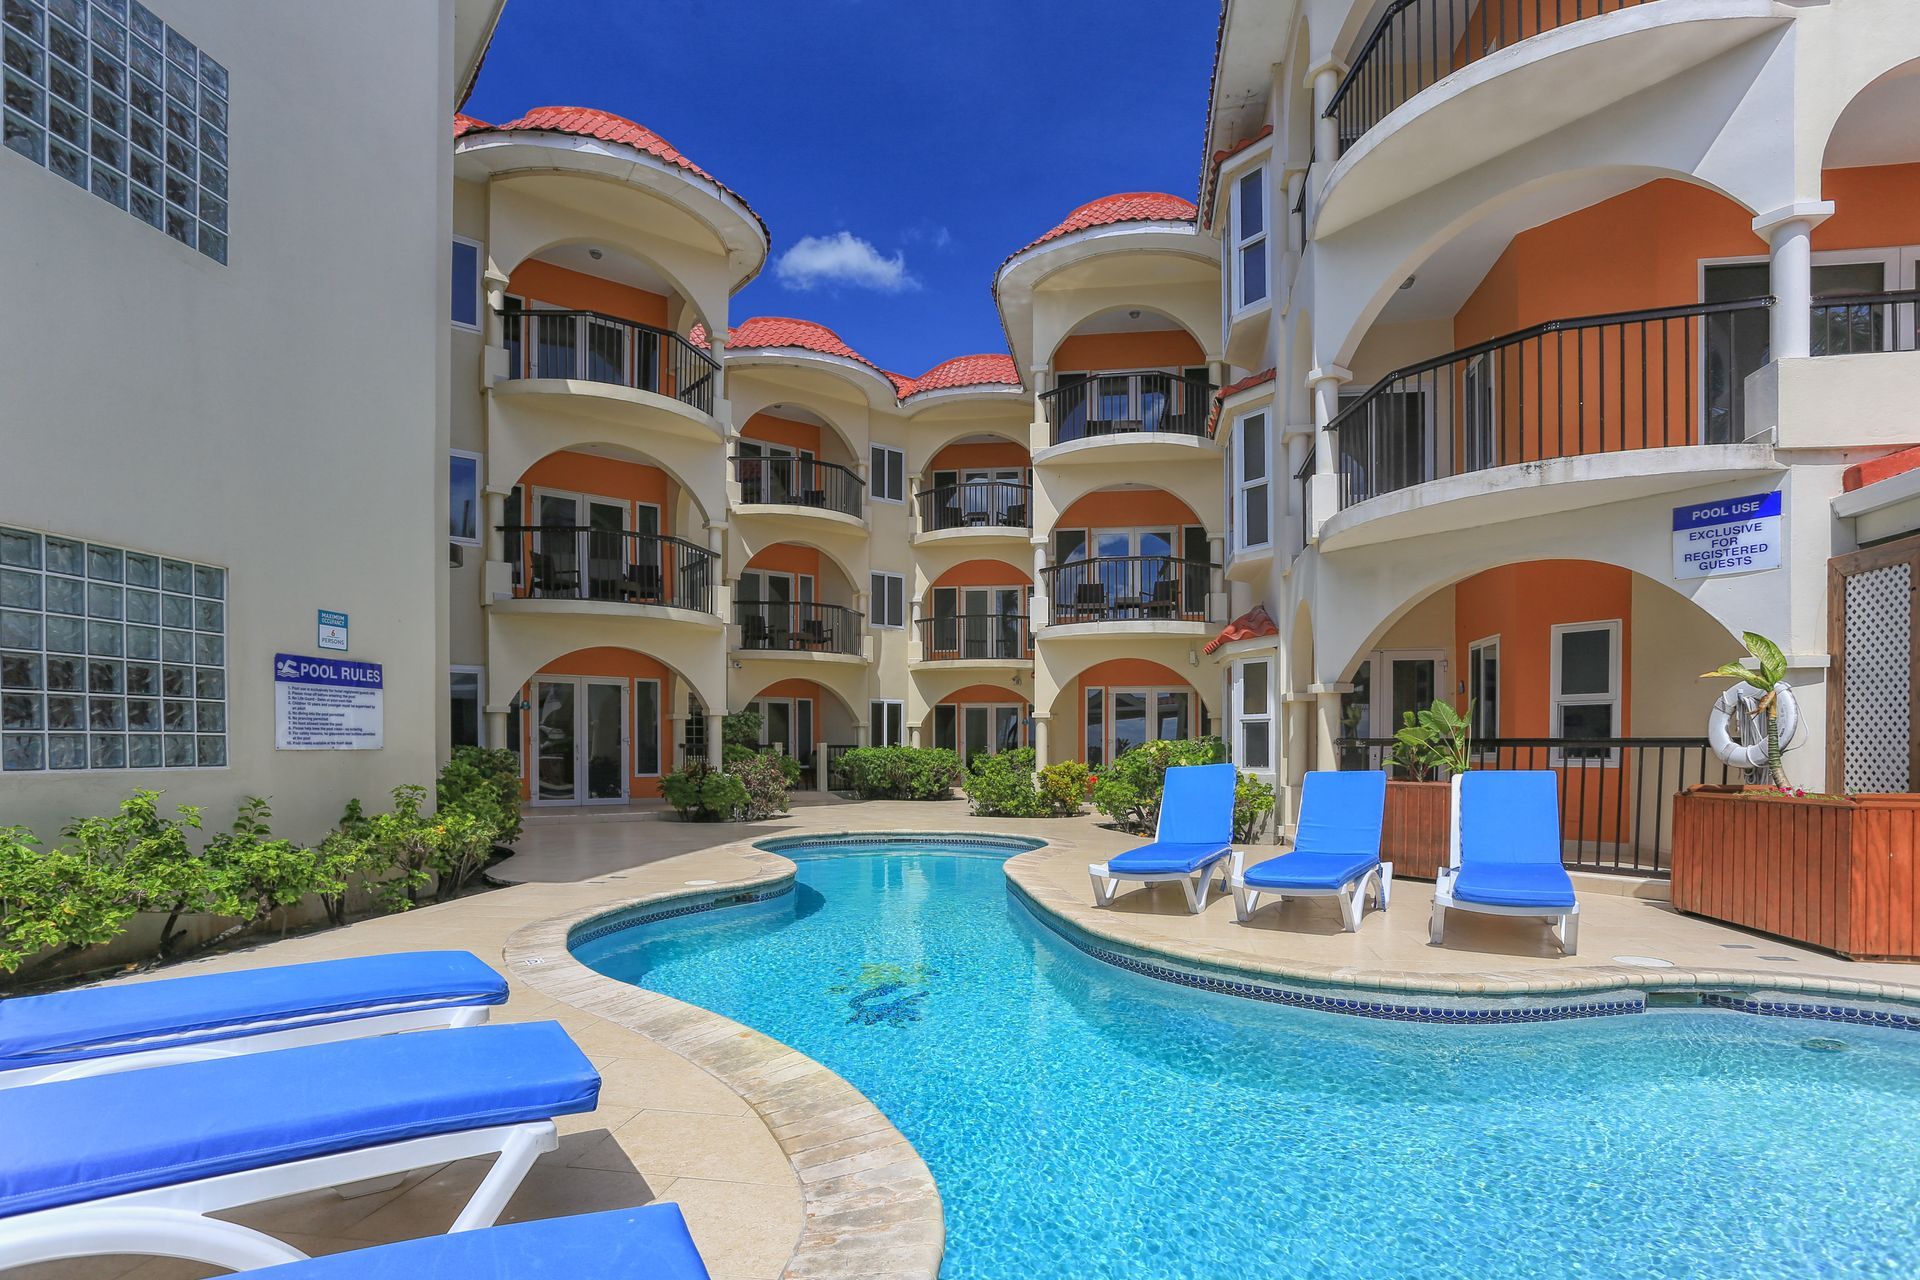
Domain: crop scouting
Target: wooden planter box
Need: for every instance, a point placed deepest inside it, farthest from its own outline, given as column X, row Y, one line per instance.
column 1832, row 872
column 1414, row 835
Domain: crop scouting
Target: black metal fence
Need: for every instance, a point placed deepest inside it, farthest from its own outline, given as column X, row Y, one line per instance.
column 1596, row 384
column 1858, row 324
column 1417, row 43
column 836, row 774
column 1616, row 794
column 1128, row 588
column 577, row 562
column 975, row 635
column 976, row 504
column 1101, row 404
column 592, row 347
column 799, row 482
column 798, row 626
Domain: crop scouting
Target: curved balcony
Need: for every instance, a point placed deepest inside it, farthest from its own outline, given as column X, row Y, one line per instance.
column 1141, row 593
column 606, row 366
column 1567, row 414
column 800, row 629
column 1151, row 414
column 975, row 510
column 976, row 639
column 585, row 570
column 800, row 488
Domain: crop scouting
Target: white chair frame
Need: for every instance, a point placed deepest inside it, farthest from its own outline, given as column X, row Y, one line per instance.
column 1194, row 884
column 1352, row 894
column 1565, row 925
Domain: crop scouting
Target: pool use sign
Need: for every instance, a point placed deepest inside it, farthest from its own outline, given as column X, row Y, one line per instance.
column 1727, row 536
column 328, row 704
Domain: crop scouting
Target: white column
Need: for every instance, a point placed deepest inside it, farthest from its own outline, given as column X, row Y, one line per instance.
column 717, row 348
column 913, row 735
column 1324, row 80
column 1327, row 725
column 496, row 728
column 713, row 738
column 496, row 515
column 1042, row 747
column 1789, row 235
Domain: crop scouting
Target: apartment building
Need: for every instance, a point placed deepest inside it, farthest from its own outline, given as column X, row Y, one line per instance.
column 225, row 399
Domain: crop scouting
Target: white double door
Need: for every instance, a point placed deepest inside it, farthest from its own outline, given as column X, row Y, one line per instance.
column 581, row 740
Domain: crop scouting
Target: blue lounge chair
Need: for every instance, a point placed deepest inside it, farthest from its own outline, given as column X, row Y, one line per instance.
column 137, row 1162
column 1503, row 855
column 1336, row 849
column 1195, row 835
column 649, row 1243
column 125, row 1025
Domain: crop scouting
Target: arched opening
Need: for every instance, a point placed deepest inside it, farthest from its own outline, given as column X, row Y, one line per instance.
column 790, row 455
column 1120, row 703
column 1127, row 369
column 596, row 727
column 976, row 610
column 805, row 719
column 1129, row 552
column 980, row 719
column 796, row 598
column 978, row 481
column 1871, row 173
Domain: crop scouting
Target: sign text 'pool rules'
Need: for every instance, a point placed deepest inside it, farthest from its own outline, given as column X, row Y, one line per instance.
column 327, row 704
column 1727, row 536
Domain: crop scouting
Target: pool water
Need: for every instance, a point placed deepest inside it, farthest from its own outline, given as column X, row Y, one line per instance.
column 1086, row 1122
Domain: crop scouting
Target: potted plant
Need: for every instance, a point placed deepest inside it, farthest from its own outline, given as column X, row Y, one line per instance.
column 1428, row 749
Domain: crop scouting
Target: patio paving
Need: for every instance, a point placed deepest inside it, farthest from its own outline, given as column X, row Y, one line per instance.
column 667, row 1128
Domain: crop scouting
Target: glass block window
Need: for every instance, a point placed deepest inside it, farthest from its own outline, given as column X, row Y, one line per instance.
column 114, row 100
column 109, row 658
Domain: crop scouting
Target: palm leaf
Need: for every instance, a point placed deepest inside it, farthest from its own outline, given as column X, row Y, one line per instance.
column 1735, row 671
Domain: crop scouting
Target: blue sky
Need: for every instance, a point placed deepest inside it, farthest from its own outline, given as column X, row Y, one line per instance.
column 911, row 144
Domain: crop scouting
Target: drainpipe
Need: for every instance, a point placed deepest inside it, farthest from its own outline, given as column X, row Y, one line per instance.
column 1789, row 235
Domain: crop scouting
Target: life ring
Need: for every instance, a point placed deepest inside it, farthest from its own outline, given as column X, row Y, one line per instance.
column 1738, row 711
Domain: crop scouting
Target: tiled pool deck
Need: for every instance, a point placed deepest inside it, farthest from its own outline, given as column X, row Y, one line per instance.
column 782, row 1168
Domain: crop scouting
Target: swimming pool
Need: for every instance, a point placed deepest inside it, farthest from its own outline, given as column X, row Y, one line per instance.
column 1084, row 1121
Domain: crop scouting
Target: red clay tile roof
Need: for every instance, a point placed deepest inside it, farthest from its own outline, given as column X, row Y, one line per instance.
column 762, row 332
column 1866, row 473
column 465, row 124
column 966, row 371
column 767, row 333
column 1128, row 206
column 1220, row 157
column 1253, row 623
column 1247, row 383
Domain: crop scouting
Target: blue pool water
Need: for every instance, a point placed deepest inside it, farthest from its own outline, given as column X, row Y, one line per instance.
column 1087, row 1122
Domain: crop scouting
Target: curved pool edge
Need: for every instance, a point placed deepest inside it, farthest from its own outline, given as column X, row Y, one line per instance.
column 1588, row 991
column 872, row 1207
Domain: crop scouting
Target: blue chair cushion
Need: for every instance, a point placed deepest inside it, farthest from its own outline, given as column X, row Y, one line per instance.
column 1196, row 804
column 95, row 1022
column 1510, row 816
column 650, row 1243
column 1342, row 813
column 71, row 1141
column 1304, row 870
column 1511, row 884
column 1163, row 857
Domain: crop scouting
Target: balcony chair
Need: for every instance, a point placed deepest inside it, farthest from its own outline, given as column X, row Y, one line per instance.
column 755, row 633
column 1503, row 853
column 1336, row 850
column 644, row 583
column 1090, row 598
column 1164, row 602
column 814, row 634
column 1193, row 839
column 1014, row 516
column 552, row 578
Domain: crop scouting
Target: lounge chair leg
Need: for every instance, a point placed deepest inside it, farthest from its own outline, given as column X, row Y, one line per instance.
column 1102, row 890
column 516, row 1156
column 1569, row 932
column 149, row 1232
column 1437, row 926
column 1386, row 884
column 1196, row 894
column 1349, row 898
column 1245, row 902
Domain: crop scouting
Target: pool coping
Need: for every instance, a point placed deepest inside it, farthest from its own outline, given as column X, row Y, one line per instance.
column 872, row 1208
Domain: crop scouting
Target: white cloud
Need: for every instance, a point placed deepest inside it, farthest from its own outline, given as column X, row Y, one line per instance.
column 842, row 259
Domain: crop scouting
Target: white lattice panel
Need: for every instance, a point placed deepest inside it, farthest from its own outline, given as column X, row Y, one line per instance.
column 1879, row 625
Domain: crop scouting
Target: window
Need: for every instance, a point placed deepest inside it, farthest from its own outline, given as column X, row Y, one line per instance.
column 1483, row 687
column 694, row 739
column 889, row 600
column 1250, row 238
column 109, row 659
column 463, row 691
column 646, row 728
column 1253, row 508
column 118, row 103
column 1252, row 708
column 1586, row 686
column 886, row 723
column 889, row 467
column 466, row 284
column 1096, row 727
column 463, row 498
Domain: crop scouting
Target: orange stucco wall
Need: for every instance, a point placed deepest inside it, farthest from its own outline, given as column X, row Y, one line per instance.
column 1126, row 509
column 785, row 557
column 983, row 573
column 576, row 291
column 983, row 453
column 601, row 478
column 1154, row 349
column 1522, row 603
column 623, row 664
column 795, row 435
column 984, row 693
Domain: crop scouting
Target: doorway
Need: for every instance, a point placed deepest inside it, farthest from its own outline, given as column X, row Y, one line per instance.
column 580, row 749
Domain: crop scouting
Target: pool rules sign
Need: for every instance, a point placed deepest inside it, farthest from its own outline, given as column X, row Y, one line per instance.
column 1727, row 536
column 327, row 704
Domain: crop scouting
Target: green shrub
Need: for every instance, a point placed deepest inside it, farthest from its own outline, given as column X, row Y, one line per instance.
column 900, row 773
column 1001, row 785
column 1063, row 788
column 485, row 782
column 404, row 843
column 157, row 870
column 347, row 857
column 1128, row 790
column 702, row 793
column 765, row 782
column 741, row 729
column 253, row 873
column 1252, row 805
column 56, row 900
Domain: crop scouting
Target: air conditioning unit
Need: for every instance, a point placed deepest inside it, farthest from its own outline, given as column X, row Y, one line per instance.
column 456, row 555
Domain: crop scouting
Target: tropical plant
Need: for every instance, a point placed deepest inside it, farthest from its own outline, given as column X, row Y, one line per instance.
column 346, row 858
column 404, row 842
column 702, row 793
column 900, row 773
column 1063, row 787
column 1769, row 679
column 484, row 781
column 1252, row 805
column 741, row 729
column 158, row 871
column 765, row 784
column 1436, row 740
column 253, row 873
column 55, row 900
column 1128, row 790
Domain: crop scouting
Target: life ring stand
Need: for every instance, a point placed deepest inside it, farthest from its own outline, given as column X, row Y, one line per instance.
column 1739, row 707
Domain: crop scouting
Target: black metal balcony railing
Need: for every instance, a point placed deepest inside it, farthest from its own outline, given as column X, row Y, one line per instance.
column 1128, row 589
column 798, row 626
column 1859, row 324
column 1304, row 478
column 598, row 348
column 1597, row 384
column 976, row 504
column 1103, row 404
column 958, row 637
column 800, row 482
column 574, row 562
column 1616, row 809
column 1418, row 43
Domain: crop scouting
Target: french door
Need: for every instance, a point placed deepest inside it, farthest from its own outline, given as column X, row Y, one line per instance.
column 989, row 728
column 580, row 550
column 1143, row 715
column 990, row 626
column 581, row 740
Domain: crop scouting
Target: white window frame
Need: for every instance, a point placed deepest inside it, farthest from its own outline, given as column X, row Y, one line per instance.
column 635, row 729
column 889, row 728
column 479, row 497
column 1474, row 650
column 479, row 698
column 1243, row 488
column 1556, row 700
column 1238, row 717
column 1244, row 240
column 479, row 281
column 879, row 616
column 877, row 460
